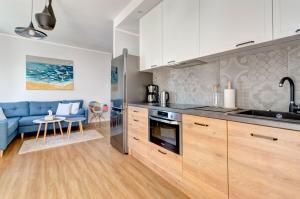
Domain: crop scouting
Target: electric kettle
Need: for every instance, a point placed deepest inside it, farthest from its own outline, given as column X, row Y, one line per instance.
column 164, row 97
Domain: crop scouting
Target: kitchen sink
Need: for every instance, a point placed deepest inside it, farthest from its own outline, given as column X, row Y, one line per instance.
column 268, row 115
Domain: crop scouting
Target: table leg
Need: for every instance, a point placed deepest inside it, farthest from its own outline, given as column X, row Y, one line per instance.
column 39, row 130
column 45, row 131
column 80, row 127
column 54, row 128
column 61, row 132
column 69, row 129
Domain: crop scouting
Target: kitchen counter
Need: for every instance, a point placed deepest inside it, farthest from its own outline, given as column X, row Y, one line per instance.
column 224, row 116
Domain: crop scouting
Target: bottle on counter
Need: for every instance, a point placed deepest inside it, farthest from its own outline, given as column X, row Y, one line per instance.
column 216, row 95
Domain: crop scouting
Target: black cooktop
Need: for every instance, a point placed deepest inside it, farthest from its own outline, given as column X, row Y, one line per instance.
column 178, row 106
column 195, row 107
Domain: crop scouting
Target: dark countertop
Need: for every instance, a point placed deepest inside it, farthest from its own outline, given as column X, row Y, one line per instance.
column 224, row 116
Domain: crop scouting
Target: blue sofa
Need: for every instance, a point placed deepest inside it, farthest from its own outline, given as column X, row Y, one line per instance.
column 21, row 114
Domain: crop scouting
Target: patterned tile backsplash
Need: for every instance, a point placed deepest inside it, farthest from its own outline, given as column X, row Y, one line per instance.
column 255, row 76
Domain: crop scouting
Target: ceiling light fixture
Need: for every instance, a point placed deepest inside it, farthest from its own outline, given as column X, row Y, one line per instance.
column 46, row 19
column 30, row 31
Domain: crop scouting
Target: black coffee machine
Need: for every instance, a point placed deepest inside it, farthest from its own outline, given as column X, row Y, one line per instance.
column 152, row 93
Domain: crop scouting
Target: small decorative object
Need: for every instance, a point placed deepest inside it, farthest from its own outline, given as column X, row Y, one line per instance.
column 46, row 19
column 216, row 95
column 50, row 116
column 30, row 31
column 229, row 97
column 105, row 108
column 48, row 74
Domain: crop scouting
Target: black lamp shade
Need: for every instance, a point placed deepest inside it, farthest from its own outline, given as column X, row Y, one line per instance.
column 46, row 19
column 30, row 32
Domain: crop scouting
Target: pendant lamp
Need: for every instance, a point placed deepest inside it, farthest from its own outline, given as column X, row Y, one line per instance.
column 30, row 31
column 46, row 19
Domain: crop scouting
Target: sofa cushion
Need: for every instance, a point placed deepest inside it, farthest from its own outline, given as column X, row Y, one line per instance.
column 73, row 101
column 64, row 109
column 27, row 121
column 12, row 124
column 15, row 109
column 41, row 108
column 81, row 112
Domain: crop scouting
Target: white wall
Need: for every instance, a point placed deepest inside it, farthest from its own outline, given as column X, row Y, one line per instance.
column 91, row 71
column 124, row 39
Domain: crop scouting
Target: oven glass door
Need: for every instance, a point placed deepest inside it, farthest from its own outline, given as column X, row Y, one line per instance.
column 165, row 134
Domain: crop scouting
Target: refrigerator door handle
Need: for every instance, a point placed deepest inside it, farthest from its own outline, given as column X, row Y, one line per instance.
column 124, row 90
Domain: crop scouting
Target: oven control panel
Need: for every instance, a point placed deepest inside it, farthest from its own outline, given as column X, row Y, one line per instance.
column 165, row 115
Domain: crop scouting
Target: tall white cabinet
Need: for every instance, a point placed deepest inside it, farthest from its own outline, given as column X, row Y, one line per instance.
column 286, row 18
column 180, row 30
column 226, row 25
column 151, row 39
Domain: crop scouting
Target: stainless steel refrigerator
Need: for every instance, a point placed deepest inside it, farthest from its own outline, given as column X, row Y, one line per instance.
column 127, row 85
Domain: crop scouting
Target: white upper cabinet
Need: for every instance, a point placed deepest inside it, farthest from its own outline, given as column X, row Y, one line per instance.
column 180, row 30
column 226, row 25
column 151, row 39
column 286, row 18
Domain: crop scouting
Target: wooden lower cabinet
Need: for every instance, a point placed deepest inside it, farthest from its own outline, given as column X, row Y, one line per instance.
column 167, row 161
column 223, row 159
column 138, row 122
column 205, row 157
column 138, row 146
column 264, row 162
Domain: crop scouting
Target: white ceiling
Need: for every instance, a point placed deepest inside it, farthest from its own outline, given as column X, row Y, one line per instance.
column 131, row 21
column 85, row 23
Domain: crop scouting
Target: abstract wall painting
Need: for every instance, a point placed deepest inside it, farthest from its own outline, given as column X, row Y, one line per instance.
column 49, row 74
column 114, row 78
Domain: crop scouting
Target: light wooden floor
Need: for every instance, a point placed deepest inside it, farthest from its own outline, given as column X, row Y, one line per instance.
column 86, row 170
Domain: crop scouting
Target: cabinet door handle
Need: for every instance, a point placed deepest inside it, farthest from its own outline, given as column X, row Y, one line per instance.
column 135, row 120
column 135, row 111
column 297, row 30
column 245, row 43
column 153, row 66
column 200, row 124
column 264, row 137
column 162, row 152
column 172, row 62
column 136, row 138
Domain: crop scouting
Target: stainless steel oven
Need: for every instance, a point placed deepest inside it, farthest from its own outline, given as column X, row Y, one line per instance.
column 165, row 129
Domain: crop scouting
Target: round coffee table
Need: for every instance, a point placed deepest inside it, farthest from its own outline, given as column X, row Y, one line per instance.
column 72, row 120
column 46, row 122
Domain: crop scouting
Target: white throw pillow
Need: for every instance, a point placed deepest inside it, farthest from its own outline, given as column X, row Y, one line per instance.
column 63, row 109
column 2, row 115
column 74, row 108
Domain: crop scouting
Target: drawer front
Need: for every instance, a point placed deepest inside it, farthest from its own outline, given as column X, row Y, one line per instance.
column 137, row 112
column 205, row 157
column 166, row 160
column 203, row 124
column 138, row 124
column 138, row 145
column 263, row 162
column 138, row 128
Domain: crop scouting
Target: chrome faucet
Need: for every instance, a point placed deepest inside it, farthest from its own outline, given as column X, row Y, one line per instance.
column 293, row 108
